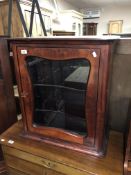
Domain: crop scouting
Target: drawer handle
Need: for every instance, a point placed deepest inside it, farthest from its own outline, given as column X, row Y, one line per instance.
column 48, row 164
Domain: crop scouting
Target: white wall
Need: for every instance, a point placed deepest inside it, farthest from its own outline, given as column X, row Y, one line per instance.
column 55, row 20
column 62, row 5
column 113, row 13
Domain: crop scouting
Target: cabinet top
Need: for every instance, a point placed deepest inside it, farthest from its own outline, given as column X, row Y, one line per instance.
column 67, row 38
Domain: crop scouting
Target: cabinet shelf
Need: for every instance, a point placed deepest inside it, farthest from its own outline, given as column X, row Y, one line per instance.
column 58, row 86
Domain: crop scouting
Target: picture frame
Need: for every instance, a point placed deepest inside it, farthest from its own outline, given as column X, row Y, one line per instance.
column 115, row 26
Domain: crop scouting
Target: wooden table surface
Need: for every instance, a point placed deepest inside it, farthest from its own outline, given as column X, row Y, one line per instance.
column 111, row 164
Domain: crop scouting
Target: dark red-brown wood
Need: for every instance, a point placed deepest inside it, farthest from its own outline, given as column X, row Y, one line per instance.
column 7, row 101
column 96, row 101
column 127, row 162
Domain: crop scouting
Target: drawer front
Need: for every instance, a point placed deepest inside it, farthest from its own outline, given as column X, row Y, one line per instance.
column 51, row 172
column 25, row 162
column 12, row 171
column 21, row 167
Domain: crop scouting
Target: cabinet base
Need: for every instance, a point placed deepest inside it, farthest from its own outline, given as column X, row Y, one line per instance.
column 67, row 145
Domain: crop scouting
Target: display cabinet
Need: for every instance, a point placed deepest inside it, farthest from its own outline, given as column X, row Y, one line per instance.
column 63, row 87
column 90, row 28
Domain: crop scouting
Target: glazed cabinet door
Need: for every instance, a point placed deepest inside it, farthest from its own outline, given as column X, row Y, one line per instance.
column 58, row 89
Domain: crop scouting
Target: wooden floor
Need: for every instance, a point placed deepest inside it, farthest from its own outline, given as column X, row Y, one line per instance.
column 63, row 161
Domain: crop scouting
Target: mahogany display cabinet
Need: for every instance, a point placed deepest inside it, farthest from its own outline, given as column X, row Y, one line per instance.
column 63, row 87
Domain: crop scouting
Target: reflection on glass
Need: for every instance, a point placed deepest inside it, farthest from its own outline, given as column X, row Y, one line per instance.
column 59, row 88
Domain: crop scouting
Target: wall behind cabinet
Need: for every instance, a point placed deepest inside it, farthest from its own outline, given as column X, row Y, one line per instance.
column 120, row 94
column 113, row 13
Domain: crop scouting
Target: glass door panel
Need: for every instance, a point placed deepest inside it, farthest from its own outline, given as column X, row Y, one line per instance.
column 59, row 88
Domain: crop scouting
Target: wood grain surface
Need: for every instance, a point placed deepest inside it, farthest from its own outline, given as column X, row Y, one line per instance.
column 26, row 156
